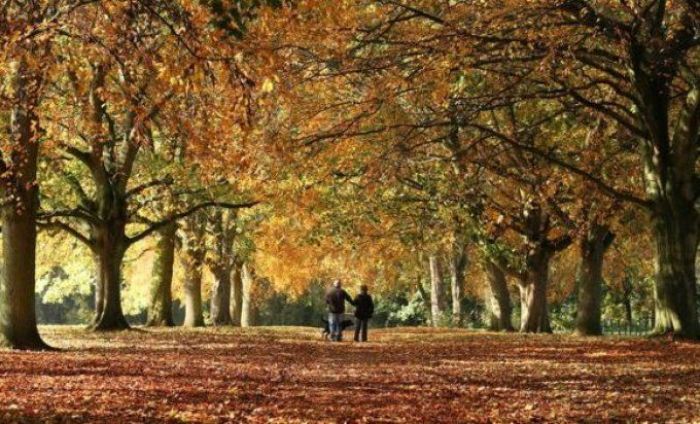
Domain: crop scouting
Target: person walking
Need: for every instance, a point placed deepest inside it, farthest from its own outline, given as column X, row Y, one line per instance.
column 364, row 309
column 335, row 299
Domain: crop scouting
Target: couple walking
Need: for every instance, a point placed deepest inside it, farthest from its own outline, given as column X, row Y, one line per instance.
column 364, row 309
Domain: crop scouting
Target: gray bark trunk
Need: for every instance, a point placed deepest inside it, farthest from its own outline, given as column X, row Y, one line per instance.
column 676, row 287
column 669, row 155
column 18, row 327
column 247, row 319
column 458, row 265
column 221, row 265
column 161, row 304
column 221, row 298
column 436, row 292
column 110, row 242
column 533, row 294
column 237, row 294
column 498, row 301
column 193, row 261
column 590, row 290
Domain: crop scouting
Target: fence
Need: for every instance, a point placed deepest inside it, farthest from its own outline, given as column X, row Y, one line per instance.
column 636, row 327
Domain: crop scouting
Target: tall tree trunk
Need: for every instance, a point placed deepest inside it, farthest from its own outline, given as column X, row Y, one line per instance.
column 247, row 302
column 236, row 294
column 193, row 289
column 99, row 291
column 533, row 294
column 670, row 154
column 160, row 308
column 193, row 254
column 221, row 265
column 18, row 327
column 676, row 287
column 627, row 302
column 221, row 297
column 436, row 292
column 499, row 306
column 590, row 290
column 458, row 266
column 111, row 249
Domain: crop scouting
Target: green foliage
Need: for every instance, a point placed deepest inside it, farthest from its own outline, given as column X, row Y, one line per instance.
column 401, row 310
column 562, row 316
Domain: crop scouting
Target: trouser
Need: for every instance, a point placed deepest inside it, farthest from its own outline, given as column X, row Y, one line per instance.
column 361, row 330
column 334, row 321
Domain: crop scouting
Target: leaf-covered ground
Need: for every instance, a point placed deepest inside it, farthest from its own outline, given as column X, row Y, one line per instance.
column 291, row 375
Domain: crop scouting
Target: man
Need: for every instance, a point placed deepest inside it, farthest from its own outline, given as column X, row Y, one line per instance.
column 364, row 309
column 335, row 299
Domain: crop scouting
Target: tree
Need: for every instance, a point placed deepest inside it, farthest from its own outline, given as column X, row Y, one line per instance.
column 28, row 31
column 122, row 76
column 632, row 63
column 161, row 302
column 221, row 262
column 593, row 246
column 193, row 255
column 498, row 300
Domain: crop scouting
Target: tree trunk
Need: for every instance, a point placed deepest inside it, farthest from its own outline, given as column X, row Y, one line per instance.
column 247, row 301
column 236, row 294
column 627, row 302
column 590, row 290
column 99, row 292
column 670, row 155
column 160, row 308
column 458, row 265
column 18, row 327
column 436, row 301
column 675, row 290
column 221, row 265
column 221, row 297
column 110, row 242
column 193, row 290
column 499, row 306
column 193, row 254
column 533, row 294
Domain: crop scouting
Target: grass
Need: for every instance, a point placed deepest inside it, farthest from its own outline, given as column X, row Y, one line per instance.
column 288, row 374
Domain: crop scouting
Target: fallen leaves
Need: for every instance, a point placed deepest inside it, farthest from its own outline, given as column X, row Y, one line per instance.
column 404, row 375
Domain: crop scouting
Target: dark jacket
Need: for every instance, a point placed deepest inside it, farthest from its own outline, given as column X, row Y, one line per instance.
column 364, row 306
column 335, row 299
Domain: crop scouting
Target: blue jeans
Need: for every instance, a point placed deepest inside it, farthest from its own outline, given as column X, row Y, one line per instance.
column 334, row 324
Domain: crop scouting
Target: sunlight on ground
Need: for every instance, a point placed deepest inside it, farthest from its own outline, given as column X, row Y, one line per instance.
column 289, row 374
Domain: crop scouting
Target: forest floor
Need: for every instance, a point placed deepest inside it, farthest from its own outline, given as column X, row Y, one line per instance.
column 284, row 375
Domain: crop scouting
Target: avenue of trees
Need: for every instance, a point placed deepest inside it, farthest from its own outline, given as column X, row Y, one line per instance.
column 462, row 157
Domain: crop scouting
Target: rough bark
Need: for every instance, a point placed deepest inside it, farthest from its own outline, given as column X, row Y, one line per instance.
column 193, row 253
column 458, row 265
column 436, row 292
column 498, row 301
column 247, row 275
column 193, row 294
column 670, row 153
column 534, row 317
column 99, row 292
column 111, row 248
column 590, row 290
column 161, row 304
column 675, row 290
column 18, row 327
column 221, row 262
column 236, row 294
column 221, row 298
